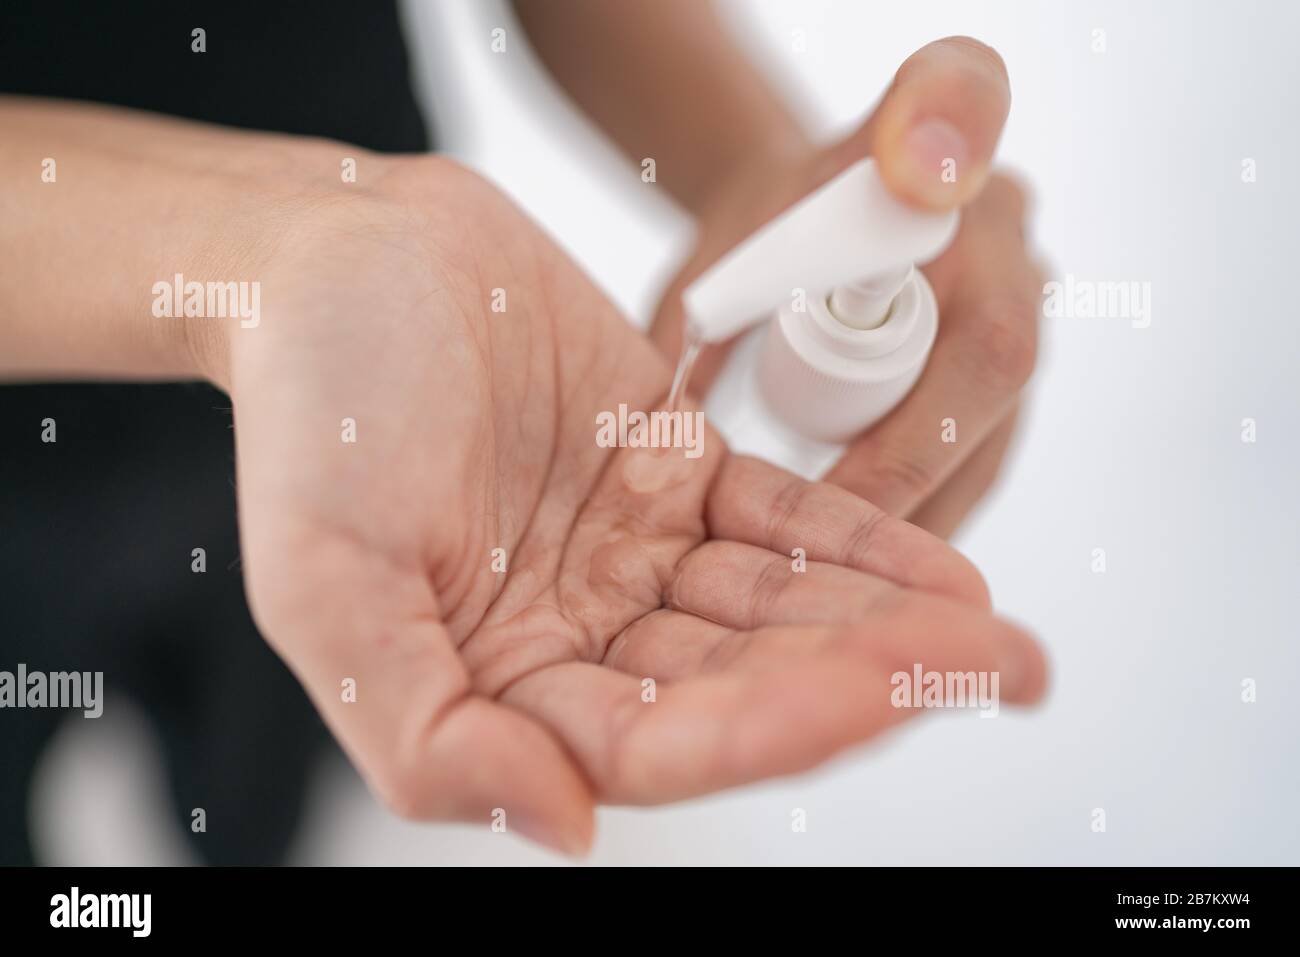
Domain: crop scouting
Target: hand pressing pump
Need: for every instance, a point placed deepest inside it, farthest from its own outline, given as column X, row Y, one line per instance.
column 854, row 332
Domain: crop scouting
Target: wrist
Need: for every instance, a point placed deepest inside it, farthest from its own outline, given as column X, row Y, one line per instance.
column 152, row 205
column 270, row 197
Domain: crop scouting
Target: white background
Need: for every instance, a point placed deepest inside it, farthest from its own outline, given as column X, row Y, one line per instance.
column 1132, row 444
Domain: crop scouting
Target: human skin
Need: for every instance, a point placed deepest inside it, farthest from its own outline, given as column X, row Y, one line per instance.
column 370, row 563
column 667, row 80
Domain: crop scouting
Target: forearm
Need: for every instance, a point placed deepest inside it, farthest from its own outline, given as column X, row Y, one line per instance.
column 130, row 200
column 665, row 81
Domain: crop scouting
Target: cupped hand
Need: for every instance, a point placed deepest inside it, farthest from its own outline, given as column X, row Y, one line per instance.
column 499, row 618
column 933, row 136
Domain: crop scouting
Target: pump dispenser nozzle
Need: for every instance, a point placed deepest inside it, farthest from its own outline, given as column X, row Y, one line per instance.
column 867, row 304
column 851, row 229
column 854, row 327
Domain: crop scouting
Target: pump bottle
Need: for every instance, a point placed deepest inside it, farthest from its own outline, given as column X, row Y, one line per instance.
column 853, row 324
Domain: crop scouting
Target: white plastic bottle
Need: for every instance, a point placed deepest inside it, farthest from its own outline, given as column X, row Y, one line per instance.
column 854, row 332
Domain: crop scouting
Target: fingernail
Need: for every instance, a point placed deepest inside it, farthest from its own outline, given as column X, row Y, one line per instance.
column 936, row 155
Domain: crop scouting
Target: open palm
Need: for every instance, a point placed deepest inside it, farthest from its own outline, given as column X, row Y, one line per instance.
column 494, row 612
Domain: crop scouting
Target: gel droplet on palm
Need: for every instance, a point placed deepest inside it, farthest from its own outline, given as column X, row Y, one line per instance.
column 647, row 471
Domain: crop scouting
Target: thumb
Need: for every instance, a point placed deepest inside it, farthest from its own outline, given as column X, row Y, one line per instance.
column 935, row 131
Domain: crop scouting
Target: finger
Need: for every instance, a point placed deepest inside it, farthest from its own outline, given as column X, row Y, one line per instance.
column 946, row 509
column 666, row 645
column 770, row 702
column 709, row 733
column 746, row 587
column 997, row 217
column 760, row 504
column 367, row 644
column 937, row 127
column 670, row 644
column 982, row 358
